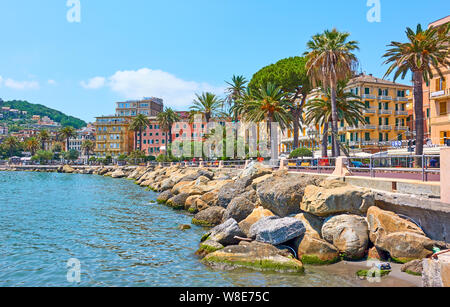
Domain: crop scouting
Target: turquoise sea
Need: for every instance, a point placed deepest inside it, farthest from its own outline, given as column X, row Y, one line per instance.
column 119, row 237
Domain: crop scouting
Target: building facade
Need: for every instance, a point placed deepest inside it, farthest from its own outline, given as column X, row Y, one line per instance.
column 148, row 106
column 113, row 136
column 437, row 102
column 76, row 143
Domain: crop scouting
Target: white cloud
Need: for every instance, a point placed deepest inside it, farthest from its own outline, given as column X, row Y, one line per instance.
column 94, row 83
column 51, row 82
column 21, row 85
column 176, row 92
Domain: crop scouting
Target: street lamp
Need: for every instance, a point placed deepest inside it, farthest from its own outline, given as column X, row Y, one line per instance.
column 313, row 135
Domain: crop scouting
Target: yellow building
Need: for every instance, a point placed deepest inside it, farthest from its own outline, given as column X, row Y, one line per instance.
column 437, row 101
column 113, row 136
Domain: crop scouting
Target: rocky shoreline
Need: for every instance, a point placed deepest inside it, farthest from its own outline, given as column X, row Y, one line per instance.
column 266, row 220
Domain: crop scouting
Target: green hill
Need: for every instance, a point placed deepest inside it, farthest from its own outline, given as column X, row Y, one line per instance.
column 38, row 109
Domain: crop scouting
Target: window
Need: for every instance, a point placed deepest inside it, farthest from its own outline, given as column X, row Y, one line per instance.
column 367, row 136
column 386, row 137
column 367, row 103
column 428, row 113
column 440, row 84
column 443, row 108
column 367, row 91
column 367, row 120
column 380, row 121
column 380, row 137
column 386, row 121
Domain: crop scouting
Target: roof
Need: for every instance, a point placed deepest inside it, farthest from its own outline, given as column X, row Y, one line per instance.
column 440, row 22
column 363, row 78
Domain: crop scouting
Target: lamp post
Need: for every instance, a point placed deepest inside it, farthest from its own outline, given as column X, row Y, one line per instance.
column 313, row 135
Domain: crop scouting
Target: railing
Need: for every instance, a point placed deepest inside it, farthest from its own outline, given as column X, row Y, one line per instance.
column 401, row 113
column 440, row 94
column 401, row 128
column 312, row 165
column 385, row 112
column 370, row 111
column 385, row 127
column 402, row 99
column 368, row 127
column 234, row 164
column 367, row 96
column 425, row 167
column 385, row 97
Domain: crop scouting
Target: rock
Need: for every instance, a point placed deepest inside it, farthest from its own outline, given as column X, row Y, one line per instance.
column 255, row 256
column 68, row 169
column 178, row 201
column 225, row 233
column 200, row 205
column 255, row 170
column 275, row 231
column 200, row 173
column 402, row 239
column 118, row 174
column 182, row 185
column 312, row 223
column 436, row 272
column 164, row 197
column 210, row 217
column 208, row 247
column 349, row 233
column 190, row 204
column 228, row 192
column 239, row 208
column 210, row 198
column 167, row 184
column 377, row 254
column 325, row 201
column 282, row 195
column 257, row 214
column 414, row 267
column 184, row 227
column 313, row 250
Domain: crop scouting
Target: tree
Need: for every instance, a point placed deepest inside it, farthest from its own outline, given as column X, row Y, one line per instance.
column 291, row 75
column 349, row 109
column 12, row 146
column 43, row 156
column 32, row 145
column 88, row 147
column 235, row 92
column 300, row 152
column 330, row 59
column 66, row 134
column 138, row 124
column 166, row 120
column 425, row 50
column 71, row 155
column 208, row 105
column 44, row 136
column 268, row 103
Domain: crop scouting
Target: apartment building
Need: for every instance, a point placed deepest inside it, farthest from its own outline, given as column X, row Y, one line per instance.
column 76, row 143
column 147, row 106
column 112, row 136
column 437, row 102
column 3, row 130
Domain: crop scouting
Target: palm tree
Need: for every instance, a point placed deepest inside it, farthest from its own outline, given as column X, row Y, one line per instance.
column 268, row 103
column 44, row 136
column 67, row 133
column 166, row 120
column 207, row 104
column 138, row 124
column 330, row 59
column 88, row 146
column 32, row 145
column 12, row 144
column 319, row 111
column 424, row 51
column 235, row 92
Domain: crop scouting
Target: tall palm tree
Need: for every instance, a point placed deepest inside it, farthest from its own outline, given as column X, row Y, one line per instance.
column 331, row 59
column 12, row 144
column 44, row 136
column 88, row 147
column 207, row 104
column 235, row 92
column 32, row 145
column 138, row 124
column 425, row 50
column 67, row 133
column 268, row 103
column 166, row 120
column 319, row 111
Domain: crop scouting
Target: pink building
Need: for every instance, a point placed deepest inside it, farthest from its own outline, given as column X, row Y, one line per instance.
column 153, row 139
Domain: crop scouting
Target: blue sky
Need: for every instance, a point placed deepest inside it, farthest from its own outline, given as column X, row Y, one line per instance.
column 173, row 48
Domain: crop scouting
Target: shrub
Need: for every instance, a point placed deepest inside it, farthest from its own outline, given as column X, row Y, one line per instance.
column 300, row 153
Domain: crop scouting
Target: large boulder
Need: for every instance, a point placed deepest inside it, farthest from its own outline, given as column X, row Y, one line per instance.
column 313, row 250
column 241, row 206
column 178, row 201
column 225, row 233
column 210, row 217
column 210, row 198
column 228, row 192
column 255, row 256
column 164, row 197
column 208, row 247
column 167, row 184
column 255, row 170
column 282, row 195
column 199, row 173
column 414, row 267
column 257, row 214
column 312, row 223
column 325, row 201
column 190, row 204
column 349, row 233
column 68, row 169
column 275, row 231
column 402, row 239
column 118, row 174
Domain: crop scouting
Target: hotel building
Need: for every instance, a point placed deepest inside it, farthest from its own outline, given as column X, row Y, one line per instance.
column 113, row 136
column 148, row 106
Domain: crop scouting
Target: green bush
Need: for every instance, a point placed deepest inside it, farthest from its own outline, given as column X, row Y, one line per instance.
column 300, row 153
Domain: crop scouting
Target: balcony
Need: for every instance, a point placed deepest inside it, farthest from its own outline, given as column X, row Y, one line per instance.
column 401, row 113
column 342, row 129
column 353, row 128
column 402, row 99
column 354, row 143
column 370, row 111
column 385, row 112
column 401, row 128
column 367, row 96
column 368, row 127
column 385, row 98
column 385, row 127
column 369, row 142
column 440, row 94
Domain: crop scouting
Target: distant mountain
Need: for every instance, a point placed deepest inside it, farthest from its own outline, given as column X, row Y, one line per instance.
column 38, row 109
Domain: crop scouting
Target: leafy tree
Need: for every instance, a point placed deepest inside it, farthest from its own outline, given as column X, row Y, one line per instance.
column 331, row 59
column 12, row 146
column 44, row 137
column 136, row 156
column 138, row 124
column 88, row 147
column 166, row 120
column 43, row 156
column 208, row 105
column 67, row 133
column 300, row 153
column 291, row 75
column 32, row 145
column 71, row 155
column 425, row 50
